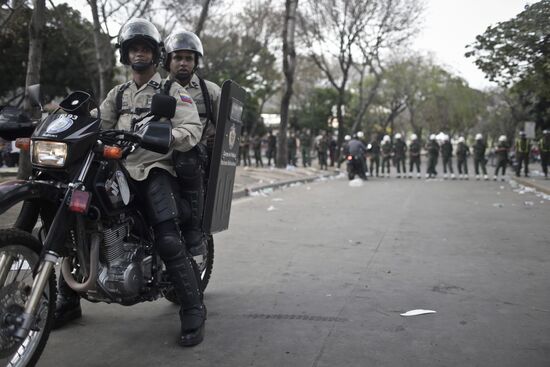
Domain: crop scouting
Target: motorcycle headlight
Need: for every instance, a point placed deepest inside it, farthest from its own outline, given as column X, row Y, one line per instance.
column 49, row 153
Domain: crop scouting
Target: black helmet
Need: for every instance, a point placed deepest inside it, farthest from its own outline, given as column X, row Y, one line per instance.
column 183, row 41
column 143, row 30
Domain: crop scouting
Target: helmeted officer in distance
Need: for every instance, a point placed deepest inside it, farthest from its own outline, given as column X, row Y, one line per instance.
column 433, row 154
column 479, row 157
column 502, row 156
column 386, row 148
column 399, row 150
column 447, row 156
column 523, row 149
column 414, row 155
column 462, row 152
column 153, row 173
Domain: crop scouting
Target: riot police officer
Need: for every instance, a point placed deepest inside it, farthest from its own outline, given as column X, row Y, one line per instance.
column 523, row 148
column 414, row 156
column 433, row 154
column 386, row 149
column 154, row 174
column 373, row 150
column 447, row 157
column 502, row 157
column 479, row 157
column 399, row 151
column 462, row 152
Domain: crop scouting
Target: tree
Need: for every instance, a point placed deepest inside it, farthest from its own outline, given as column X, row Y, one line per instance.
column 354, row 33
column 289, row 66
column 516, row 54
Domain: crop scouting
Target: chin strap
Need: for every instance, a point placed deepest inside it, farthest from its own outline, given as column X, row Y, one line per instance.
column 141, row 66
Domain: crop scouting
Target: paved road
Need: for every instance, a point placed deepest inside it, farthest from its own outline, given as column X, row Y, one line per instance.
column 317, row 275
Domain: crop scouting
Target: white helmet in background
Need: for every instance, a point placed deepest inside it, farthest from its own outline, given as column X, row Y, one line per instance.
column 398, row 136
column 386, row 138
column 502, row 138
column 461, row 139
column 432, row 136
column 479, row 136
column 445, row 137
column 347, row 138
column 414, row 137
column 360, row 134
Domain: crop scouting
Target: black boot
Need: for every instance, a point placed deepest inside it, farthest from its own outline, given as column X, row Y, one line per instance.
column 67, row 306
column 184, row 277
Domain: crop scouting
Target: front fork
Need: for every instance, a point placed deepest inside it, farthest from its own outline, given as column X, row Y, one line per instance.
column 27, row 319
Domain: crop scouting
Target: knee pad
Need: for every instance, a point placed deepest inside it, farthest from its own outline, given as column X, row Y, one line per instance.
column 162, row 198
column 168, row 242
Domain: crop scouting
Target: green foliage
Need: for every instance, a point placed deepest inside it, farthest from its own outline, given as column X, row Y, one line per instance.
column 246, row 61
column 316, row 111
column 516, row 54
column 68, row 60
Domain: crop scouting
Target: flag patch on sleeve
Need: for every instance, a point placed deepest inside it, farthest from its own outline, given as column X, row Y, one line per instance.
column 186, row 99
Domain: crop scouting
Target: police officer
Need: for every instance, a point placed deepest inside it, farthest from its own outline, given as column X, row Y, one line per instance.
column 462, row 152
column 257, row 149
column 292, row 146
column 433, row 154
column 523, row 148
column 271, row 151
column 386, row 149
column 479, row 157
column 244, row 149
column 447, row 157
column 154, row 174
column 373, row 150
column 502, row 156
column 184, row 54
column 322, row 146
column 399, row 151
column 544, row 147
column 414, row 156
column 356, row 148
column 305, row 147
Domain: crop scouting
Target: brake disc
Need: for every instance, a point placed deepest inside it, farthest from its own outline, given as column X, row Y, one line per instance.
column 12, row 304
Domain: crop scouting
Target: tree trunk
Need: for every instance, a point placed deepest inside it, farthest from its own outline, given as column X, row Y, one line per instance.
column 101, row 62
column 202, row 18
column 289, row 66
column 33, row 72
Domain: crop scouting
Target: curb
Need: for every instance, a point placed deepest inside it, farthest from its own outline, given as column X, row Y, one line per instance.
column 533, row 184
column 276, row 185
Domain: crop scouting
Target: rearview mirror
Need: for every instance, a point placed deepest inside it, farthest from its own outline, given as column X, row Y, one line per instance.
column 163, row 106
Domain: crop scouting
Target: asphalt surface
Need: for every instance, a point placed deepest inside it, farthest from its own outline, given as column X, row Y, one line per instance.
column 319, row 273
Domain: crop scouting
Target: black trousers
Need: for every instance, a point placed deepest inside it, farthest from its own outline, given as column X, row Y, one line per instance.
column 374, row 161
column 400, row 163
column 522, row 159
column 501, row 165
column 386, row 162
column 480, row 162
column 544, row 161
column 447, row 163
column 462, row 164
column 414, row 161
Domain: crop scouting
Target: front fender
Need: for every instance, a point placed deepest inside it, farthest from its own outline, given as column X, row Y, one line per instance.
column 12, row 192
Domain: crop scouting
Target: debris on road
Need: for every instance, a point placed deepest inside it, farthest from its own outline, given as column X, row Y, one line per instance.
column 417, row 312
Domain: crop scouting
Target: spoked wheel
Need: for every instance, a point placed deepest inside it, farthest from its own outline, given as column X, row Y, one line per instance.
column 19, row 254
column 205, row 263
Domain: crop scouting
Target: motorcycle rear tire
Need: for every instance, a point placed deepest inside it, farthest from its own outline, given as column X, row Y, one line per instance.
column 27, row 249
column 205, row 272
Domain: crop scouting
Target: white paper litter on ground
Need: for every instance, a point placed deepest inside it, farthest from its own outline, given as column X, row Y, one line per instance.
column 417, row 312
column 271, row 208
column 356, row 182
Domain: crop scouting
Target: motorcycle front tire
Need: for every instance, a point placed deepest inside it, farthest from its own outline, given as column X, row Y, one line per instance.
column 24, row 249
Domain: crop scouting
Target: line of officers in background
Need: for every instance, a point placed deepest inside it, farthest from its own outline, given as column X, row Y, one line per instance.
column 384, row 154
column 387, row 153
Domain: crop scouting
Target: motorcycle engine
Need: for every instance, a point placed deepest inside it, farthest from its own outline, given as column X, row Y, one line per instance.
column 124, row 265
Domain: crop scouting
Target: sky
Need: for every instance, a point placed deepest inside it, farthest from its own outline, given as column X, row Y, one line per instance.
column 450, row 25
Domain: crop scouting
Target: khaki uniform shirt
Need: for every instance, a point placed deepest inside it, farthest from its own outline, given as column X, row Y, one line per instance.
column 186, row 125
column 194, row 90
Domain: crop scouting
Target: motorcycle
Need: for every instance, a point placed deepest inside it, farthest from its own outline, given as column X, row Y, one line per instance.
column 91, row 218
column 355, row 166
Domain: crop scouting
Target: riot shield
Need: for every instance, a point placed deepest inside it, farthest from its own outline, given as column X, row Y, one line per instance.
column 223, row 163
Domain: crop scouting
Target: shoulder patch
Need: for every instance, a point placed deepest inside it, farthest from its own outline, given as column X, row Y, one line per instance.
column 186, row 99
